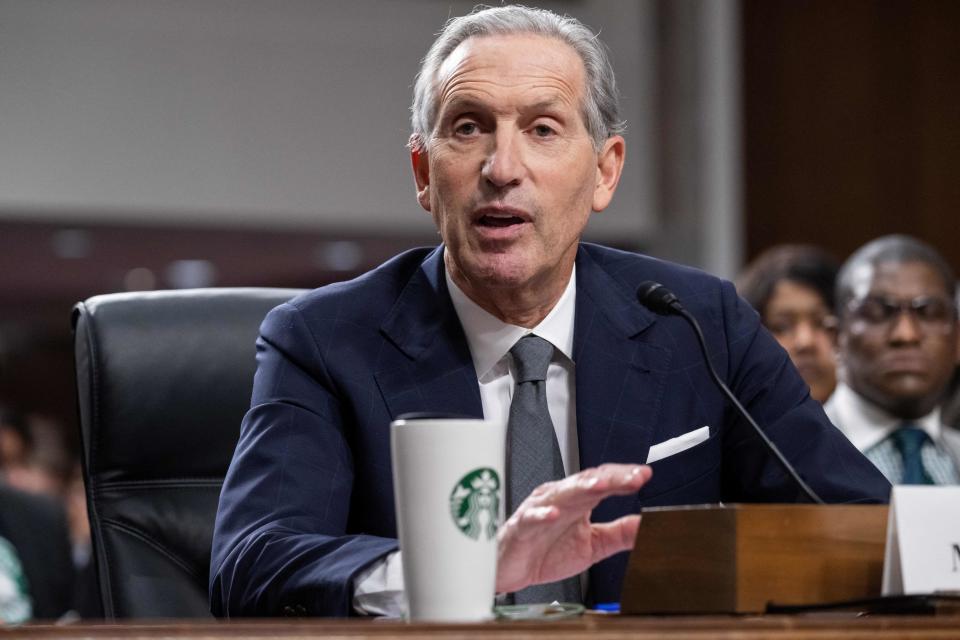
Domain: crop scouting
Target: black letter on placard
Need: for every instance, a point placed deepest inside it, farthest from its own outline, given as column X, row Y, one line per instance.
column 956, row 556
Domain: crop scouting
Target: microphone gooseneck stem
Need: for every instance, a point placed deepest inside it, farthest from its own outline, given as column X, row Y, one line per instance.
column 810, row 493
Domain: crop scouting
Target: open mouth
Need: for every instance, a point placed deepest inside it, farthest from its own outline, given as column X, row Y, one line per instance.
column 499, row 221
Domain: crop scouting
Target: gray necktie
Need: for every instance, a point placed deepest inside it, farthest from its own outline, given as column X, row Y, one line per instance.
column 533, row 455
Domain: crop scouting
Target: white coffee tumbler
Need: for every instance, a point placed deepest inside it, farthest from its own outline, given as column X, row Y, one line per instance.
column 448, row 477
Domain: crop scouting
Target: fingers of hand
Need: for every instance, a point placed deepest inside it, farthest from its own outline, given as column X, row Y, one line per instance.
column 613, row 537
column 560, row 504
column 611, row 479
column 527, row 522
column 585, row 489
column 536, row 515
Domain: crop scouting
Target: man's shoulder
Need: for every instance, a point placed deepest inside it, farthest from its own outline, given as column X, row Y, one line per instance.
column 367, row 297
column 30, row 519
column 630, row 269
column 20, row 505
column 951, row 439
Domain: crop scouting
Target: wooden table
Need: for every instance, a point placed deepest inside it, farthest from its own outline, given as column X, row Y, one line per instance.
column 809, row 627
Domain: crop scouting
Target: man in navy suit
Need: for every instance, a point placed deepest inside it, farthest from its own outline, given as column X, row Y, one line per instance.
column 516, row 142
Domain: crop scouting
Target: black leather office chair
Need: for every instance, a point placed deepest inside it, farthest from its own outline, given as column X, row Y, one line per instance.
column 163, row 380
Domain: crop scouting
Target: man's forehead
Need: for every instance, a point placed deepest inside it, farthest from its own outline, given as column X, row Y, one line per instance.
column 896, row 277
column 515, row 54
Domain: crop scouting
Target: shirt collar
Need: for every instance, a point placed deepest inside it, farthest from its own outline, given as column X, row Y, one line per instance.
column 866, row 424
column 490, row 338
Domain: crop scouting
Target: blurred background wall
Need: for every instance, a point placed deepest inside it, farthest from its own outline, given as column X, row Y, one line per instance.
column 176, row 143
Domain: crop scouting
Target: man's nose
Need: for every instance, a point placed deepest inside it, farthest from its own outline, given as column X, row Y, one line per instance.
column 906, row 328
column 504, row 164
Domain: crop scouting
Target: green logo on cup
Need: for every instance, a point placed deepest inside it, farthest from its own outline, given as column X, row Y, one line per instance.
column 475, row 503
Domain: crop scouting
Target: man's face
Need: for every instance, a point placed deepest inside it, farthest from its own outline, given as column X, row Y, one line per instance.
column 510, row 173
column 899, row 359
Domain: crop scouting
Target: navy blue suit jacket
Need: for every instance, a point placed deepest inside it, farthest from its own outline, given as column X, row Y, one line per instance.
column 308, row 500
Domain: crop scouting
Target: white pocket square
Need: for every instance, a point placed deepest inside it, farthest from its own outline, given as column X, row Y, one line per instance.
column 673, row 446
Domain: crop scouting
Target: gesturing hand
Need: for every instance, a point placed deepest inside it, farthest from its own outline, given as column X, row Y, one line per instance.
column 550, row 537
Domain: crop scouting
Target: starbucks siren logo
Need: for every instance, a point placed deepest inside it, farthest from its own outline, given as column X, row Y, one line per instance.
column 475, row 503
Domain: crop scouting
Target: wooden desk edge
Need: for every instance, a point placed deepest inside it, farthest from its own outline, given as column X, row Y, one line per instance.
column 808, row 627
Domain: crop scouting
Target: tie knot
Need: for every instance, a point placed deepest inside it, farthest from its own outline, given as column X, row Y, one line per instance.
column 909, row 439
column 531, row 355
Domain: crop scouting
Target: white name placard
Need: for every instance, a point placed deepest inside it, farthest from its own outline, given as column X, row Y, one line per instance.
column 923, row 540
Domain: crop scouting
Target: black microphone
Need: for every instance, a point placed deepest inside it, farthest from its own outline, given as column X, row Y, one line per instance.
column 662, row 301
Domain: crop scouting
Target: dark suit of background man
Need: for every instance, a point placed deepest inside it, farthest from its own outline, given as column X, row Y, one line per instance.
column 36, row 527
column 516, row 141
column 898, row 343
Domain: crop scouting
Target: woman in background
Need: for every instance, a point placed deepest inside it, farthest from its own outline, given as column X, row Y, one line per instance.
column 792, row 288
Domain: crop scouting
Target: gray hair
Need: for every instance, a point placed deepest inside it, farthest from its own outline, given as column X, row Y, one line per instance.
column 601, row 108
column 898, row 249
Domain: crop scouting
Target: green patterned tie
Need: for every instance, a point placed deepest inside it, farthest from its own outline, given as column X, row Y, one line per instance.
column 910, row 440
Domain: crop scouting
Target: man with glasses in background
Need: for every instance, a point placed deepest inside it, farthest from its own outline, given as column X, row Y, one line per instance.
column 898, row 345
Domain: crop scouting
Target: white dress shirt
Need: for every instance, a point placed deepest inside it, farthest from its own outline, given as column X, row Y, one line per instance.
column 869, row 428
column 378, row 590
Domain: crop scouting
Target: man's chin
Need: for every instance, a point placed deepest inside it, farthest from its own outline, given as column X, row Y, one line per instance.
column 907, row 385
column 500, row 272
column 907, row 397
column 498, row 281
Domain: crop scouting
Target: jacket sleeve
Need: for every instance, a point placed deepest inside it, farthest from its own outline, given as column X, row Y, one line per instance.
column 280, row 543
column 761, row 375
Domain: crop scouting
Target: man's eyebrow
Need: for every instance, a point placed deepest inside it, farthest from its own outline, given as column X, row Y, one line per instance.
column 551, row 104
column 461, row 104
column 468, row 104
column 556, row 108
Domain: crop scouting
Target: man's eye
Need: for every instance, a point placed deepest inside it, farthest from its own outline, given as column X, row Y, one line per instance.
column 873, row 310
column 932, row 309
column 543, row 130
column 467, row 128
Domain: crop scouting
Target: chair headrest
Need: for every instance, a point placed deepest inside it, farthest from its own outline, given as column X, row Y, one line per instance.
column 168, row 378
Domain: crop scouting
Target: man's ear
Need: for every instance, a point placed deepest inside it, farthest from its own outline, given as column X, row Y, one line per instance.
column 420, row 160
column 609, row 167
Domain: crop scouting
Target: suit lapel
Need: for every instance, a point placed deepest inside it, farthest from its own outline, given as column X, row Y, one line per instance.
column 619, row 376
column 620, row 380
column 435, row 372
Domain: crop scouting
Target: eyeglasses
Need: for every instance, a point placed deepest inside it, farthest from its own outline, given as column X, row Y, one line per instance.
column 931, row 312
